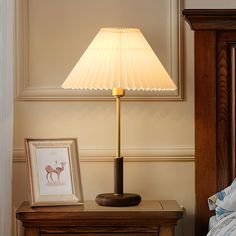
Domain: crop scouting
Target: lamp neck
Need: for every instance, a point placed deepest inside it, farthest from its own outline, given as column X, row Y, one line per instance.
column 118, row 92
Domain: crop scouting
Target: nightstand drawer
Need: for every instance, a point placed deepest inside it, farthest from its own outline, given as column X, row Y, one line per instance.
column 104, row 234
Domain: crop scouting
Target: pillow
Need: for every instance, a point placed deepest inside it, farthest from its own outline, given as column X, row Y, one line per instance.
column 223, row 202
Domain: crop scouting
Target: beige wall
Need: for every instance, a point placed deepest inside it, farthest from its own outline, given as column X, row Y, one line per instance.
column 154, row 129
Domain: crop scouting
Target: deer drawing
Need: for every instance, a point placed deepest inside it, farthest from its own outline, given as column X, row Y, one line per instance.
column 50, row 170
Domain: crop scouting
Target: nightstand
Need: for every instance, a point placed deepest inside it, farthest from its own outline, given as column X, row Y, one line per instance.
column 150, row 218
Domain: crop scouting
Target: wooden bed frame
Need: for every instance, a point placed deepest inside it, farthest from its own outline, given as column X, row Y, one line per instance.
column 215, row 50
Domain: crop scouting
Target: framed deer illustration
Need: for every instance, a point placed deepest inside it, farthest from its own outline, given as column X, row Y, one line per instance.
column 54, row 173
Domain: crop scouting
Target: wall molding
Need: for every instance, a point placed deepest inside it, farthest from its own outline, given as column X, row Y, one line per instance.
column 91, row 154
column 25, row 92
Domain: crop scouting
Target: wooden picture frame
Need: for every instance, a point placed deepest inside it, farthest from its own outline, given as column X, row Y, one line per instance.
column 54, row 173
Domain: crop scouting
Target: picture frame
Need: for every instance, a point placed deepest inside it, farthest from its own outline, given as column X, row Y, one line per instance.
column 54, row 172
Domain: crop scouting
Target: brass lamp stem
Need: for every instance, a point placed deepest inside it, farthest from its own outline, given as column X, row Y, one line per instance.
column 118, row 125
column 118, row 93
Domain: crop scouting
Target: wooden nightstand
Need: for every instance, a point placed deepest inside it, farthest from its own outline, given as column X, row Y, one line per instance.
column 148, row 219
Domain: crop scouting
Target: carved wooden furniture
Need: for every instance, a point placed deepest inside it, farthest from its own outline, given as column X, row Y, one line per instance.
column 215, row 43
column 150, row 218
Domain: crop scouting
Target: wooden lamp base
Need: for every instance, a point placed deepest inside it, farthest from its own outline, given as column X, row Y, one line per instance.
column 118, row 200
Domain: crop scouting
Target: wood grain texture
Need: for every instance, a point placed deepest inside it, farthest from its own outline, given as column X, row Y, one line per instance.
column 205, row 125
column 146, row 219
column 32, row 232
column 232, row 110
column 222, row 116
column 166, row 231
column 215, row 40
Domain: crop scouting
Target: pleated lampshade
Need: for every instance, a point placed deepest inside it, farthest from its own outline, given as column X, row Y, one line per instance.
column 119, row 58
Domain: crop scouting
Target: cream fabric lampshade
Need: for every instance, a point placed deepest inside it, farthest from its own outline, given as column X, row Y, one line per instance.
column 119, row 58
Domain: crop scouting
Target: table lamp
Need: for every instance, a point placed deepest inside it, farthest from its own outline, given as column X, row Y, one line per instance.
column 119, row 59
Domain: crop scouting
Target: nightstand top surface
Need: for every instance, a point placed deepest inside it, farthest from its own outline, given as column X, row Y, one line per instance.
column 88, row 206
column 164, row 208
